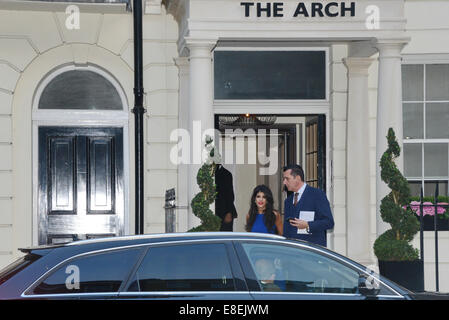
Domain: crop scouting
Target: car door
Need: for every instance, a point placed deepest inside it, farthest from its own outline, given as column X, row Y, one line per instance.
column 188, row 270
column 283, row 271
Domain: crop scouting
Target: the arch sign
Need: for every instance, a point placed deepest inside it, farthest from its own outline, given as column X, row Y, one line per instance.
column 311, row 9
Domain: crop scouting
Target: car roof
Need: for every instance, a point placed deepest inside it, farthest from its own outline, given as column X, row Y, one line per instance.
column 178, row 236
column 158, row 237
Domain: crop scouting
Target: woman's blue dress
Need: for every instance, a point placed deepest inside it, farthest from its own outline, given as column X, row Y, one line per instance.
column 259, row 225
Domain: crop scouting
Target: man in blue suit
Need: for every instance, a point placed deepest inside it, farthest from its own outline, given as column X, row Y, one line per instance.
column 307, row 201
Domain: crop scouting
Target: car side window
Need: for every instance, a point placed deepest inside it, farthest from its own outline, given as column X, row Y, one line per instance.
column 290, row 269
column 193, row 267
column 102, row 272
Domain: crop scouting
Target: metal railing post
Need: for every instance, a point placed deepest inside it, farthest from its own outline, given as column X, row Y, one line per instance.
column 138, row 111
column 435, row 225
column 421, row 229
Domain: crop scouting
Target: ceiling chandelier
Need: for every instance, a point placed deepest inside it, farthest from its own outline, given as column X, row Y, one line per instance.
column 247, row 120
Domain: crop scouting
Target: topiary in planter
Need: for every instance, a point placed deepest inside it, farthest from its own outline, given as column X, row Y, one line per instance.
column 202, row 201
column 394, row 244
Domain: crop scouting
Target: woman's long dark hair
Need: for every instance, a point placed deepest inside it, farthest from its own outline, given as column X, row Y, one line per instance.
column 269, row 216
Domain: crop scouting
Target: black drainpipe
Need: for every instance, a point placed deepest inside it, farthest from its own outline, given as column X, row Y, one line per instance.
column 138, row 111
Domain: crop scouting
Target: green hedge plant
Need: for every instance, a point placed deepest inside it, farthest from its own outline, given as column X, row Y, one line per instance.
column 430, row 199
column 394, row 244
column 202, row 201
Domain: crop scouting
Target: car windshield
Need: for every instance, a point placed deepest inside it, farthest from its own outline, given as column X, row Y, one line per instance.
column 9, row 271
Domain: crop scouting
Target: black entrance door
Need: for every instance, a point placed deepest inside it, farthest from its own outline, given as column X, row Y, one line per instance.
column 81, row 192
column 315, row 174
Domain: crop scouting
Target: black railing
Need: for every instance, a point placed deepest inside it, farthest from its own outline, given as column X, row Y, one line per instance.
column 432, row 217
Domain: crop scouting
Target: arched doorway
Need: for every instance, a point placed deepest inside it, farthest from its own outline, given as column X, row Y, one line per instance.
column 80, row 130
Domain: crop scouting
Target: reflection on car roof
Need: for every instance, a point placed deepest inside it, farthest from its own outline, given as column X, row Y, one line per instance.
column 189, row 235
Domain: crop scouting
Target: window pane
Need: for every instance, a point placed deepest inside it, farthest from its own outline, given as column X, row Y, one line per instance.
column 413, row 160
column 199, row 267
column 413, row 120
column 415, row 188
column 437, row 82
column 412, row 82
column 437, row 120
column 270, row 74
column 96, row 273
column 430, row 186
column 283, row 268
column 435, row 160
column 80, row 89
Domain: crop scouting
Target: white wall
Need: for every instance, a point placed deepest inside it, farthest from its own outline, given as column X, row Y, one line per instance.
column 338, row 98
column 245, row 180
column 372, row 94
column 428, row 26
column 34, row 43
column 161, row 84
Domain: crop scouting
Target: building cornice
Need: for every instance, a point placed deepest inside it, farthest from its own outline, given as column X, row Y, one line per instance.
column 177, row 8
column 49, row 6
column 226, row 20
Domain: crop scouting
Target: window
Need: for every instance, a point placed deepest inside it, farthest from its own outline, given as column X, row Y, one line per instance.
column 102, row 272
column 425, row 95
column 197, row 267
column 80, row 89
column 270, row 75
column 290, row 269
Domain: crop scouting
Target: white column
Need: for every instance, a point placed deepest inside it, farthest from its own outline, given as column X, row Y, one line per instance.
column 389, row 112
column 182, row 191
column 357, row 163
column 201, row 108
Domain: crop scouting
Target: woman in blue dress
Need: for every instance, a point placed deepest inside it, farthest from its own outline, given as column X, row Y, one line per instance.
column 261, row 216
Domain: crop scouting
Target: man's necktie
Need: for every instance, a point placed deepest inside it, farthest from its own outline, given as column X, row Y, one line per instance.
column 295, row 202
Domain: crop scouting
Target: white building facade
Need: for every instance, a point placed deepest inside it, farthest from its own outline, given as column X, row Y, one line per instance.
column 374, row 65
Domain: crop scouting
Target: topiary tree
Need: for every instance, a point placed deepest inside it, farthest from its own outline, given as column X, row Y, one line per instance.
column 202, row 201
column 394, row 244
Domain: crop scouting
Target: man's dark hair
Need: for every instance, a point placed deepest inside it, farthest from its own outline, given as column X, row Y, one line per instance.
column 296, row 170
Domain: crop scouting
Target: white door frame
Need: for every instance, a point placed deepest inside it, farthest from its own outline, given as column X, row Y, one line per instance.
column 79, row 118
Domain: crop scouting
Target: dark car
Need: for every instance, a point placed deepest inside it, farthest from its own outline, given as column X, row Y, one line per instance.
column 210, row 266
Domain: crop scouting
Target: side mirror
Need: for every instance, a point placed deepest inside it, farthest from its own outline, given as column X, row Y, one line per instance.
column 368, row 286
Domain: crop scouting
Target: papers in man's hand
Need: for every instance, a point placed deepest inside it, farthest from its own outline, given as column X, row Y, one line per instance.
column 308, row 216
